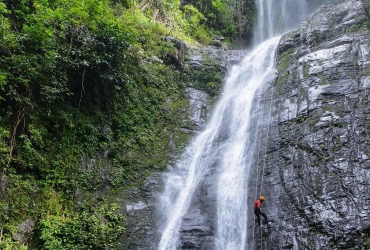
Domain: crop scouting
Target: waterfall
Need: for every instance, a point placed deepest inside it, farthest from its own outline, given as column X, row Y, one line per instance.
column 238, row 150
column 228, row 142
column 225, row 141
column 269, row 13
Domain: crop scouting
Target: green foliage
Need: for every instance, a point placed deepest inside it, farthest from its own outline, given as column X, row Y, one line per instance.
column 195, row 24
column 139, row 122
column 59, row 228
column 233, row 19
column 208, row 78
column 4, row 135
column 18, row 200
column 88, row 81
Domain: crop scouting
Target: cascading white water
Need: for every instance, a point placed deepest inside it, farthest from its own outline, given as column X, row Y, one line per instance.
column 237, row 154
column 227, row 140
column 269, row 14
column 230, row 122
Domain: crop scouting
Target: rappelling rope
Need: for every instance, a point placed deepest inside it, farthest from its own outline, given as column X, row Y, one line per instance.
column 271, row 98
column 264, row 159
column 282, row 14
column 268, row 129
column 258, row 154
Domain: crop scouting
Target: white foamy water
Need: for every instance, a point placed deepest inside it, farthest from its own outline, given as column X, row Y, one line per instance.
column 237, row 154
column 230, row 121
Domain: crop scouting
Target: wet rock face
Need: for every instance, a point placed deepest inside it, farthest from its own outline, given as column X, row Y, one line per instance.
column 140, row 203
column 317, row 182
column 198, row 227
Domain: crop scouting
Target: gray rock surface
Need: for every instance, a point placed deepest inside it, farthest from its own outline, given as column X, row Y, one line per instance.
column 199, row 224
column 317, row 180
column 140, row 224
column 24, row 230
column 227, row 58
column 199, row 106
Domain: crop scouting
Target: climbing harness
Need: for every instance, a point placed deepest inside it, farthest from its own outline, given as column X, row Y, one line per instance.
column 281, row 19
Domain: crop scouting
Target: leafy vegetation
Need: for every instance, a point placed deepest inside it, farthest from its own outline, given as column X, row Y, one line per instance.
column 232, row 19
column 207, row 78
column 88, row 87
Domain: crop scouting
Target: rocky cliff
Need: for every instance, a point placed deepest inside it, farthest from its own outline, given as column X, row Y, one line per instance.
column 317, row 174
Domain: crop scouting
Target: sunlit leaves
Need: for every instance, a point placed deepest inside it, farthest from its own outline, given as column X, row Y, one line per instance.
column 60, row 228
column 70, row 70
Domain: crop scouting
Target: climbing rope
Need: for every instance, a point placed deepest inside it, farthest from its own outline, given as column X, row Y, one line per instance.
column 264, row 159
column 259, row 149
column 267, row 133
column 281, row 19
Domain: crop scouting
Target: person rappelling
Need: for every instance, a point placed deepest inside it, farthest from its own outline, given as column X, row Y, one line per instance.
column 258, row 212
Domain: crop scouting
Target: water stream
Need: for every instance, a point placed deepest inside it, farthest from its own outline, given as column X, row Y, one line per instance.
column 226, row 140
column 237, row 152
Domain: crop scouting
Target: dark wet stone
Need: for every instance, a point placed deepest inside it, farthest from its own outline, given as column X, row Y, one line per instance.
column 319, row 182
